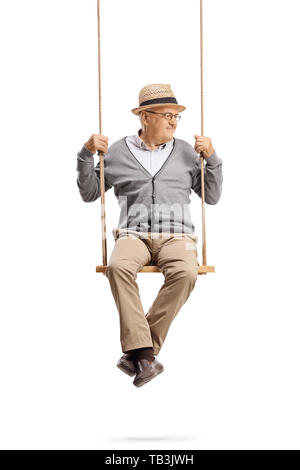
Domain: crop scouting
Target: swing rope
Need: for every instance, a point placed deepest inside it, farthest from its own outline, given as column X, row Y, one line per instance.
column 202, row 269
column 101, row 155
column 204, row 262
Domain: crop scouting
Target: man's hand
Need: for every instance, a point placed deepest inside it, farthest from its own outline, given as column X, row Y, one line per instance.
column 97, row 142
column 204, row 144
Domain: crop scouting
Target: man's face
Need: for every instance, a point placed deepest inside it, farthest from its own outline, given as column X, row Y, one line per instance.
column 159, row 126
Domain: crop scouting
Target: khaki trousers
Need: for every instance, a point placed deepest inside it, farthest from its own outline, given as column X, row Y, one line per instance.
column 176, row 255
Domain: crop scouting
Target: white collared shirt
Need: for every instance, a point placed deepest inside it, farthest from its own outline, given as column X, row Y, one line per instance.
column 152, row 160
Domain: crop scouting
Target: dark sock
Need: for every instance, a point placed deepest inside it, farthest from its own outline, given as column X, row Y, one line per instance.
column 130, row 354
column 141, row 353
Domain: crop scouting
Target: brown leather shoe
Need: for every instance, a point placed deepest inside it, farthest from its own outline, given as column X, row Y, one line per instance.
column 146, row 371
column 126, row 364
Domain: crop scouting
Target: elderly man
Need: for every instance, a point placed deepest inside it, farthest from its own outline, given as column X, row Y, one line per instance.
column 152, row 174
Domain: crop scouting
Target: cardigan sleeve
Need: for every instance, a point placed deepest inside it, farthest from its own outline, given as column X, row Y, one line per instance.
column 213, row 178
column 88, row 176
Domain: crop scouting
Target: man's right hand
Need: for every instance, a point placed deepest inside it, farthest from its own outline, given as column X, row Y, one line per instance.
column 97, row 142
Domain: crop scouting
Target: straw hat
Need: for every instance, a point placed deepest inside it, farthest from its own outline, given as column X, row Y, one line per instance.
column 157, row 94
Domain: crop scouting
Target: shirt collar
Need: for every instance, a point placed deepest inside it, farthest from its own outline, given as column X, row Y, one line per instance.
column 141, row 144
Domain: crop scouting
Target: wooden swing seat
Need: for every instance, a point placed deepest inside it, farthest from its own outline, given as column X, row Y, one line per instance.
column 151, row 268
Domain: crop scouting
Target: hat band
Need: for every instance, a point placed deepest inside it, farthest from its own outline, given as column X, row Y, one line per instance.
column 159, row 100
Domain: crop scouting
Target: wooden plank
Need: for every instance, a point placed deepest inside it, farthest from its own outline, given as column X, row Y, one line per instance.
column 155, row 269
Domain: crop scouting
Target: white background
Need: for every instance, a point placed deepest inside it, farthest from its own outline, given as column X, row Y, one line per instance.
column 231, row 357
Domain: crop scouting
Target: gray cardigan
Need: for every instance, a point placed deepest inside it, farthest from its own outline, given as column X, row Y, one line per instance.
column 158, row 203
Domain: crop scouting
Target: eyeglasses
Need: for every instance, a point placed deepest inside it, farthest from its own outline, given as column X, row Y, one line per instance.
column 167, row 116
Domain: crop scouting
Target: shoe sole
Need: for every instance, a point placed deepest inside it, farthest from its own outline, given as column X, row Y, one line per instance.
column 147, row 379
column 126, row 370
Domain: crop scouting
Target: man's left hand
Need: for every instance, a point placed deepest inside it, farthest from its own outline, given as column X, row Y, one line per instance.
column 204, row 144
